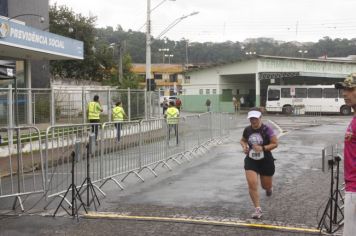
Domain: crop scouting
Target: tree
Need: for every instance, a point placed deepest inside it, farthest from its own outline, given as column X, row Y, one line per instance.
column 64, row 21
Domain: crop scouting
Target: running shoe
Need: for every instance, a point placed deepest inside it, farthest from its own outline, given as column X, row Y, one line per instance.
column 257, row 214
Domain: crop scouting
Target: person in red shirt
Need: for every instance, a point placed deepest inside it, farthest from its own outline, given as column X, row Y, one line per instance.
column 349, row 93
column 178, row 104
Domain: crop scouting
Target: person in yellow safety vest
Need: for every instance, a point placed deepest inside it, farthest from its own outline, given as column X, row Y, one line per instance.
column 118, row 115
column 172, row 117
column 94, row 110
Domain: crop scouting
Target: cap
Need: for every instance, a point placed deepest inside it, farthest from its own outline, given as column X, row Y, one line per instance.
column 349, row 82
column 254, row 114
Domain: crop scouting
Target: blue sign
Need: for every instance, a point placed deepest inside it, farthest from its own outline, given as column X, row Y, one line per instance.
column 21, row 36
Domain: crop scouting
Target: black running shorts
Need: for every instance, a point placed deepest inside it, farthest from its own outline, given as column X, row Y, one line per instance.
column 263, row 167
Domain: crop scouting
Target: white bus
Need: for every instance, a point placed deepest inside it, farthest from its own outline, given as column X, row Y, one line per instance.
column 314, row 98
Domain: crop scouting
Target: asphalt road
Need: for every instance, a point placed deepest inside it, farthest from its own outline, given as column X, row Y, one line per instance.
column 210, row 189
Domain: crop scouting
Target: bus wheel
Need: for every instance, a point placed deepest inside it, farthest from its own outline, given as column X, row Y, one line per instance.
column 287, row 109
column 345, row 110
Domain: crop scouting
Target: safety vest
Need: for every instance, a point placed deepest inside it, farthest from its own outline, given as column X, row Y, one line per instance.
column 172, row 115
column 118, row 113
column 94, row 110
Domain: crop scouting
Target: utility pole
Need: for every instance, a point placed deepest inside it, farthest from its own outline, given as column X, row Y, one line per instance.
column 121, row 52
column 148, row 46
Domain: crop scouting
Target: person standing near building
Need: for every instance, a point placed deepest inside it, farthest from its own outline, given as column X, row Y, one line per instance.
column 349, row 93
column 94, row 109
column 242, row 101
column 258, row 140
column 164, row 105
column 172, row 116
column 178, row 104
column 236, row 104
column 207, row 104
column 118, row 116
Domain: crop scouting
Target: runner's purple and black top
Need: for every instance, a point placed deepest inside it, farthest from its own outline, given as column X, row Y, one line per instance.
column 350, row 156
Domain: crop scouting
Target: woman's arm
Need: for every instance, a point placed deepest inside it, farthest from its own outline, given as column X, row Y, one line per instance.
column 272, row 145
column 244, row 145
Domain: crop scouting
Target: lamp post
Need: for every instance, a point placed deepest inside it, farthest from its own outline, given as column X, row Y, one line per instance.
column 41, row 18
column 163, row 50
column 169, row 57
column 175, row 22
column 148, row 37
column 148, row 46
column 119, row 68
column 302, row 52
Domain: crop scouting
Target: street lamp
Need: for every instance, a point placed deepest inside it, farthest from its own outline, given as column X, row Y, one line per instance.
column 159, row 4
column 163, row 50
column 302, row 52
column 148, row 39
column 175, row 22
column 41, row 18
column 119, row 69
column 169, row 57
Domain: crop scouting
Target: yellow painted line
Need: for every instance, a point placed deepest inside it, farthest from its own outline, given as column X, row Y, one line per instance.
column 96, row 215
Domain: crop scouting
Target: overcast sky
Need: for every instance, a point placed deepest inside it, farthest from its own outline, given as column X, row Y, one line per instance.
column 222, row 20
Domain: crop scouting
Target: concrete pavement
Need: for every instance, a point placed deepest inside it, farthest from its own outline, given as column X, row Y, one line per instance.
column 212, row 188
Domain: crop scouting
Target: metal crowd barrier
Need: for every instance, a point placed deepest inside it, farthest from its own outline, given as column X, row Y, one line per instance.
column 120, row 151
column 140, row 145
column 298, row 110
column 60, row 142
column 21, row 163
column 193, row 134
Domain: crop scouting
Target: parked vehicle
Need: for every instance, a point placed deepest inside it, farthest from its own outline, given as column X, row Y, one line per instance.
column 169, row 98
column 315, row 98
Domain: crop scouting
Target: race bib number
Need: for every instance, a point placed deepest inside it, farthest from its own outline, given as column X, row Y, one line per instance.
column 256, row 155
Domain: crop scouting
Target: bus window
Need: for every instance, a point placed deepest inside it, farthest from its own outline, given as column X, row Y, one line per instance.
column 285, row 92
column 341, row 94
column 330, row 93
column 300, row 92
column 273, row 95
column 314, row 92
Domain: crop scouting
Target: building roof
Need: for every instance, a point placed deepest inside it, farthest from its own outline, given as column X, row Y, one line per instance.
column 158, row 68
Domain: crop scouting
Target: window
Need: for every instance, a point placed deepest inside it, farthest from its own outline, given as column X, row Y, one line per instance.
column 187, row 79
column 173, row 78
column 285, row 93
column 158, row 76
column 300, row 92
column 314, row 92
column 214, row 91
column 207, row 91
column 201, row 91
column 273, row 95
column 330, row 93
column 341, row 93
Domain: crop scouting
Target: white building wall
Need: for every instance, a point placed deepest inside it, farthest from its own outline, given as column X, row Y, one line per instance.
column 213, row 78
column 243, row 67
column 204, row 79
